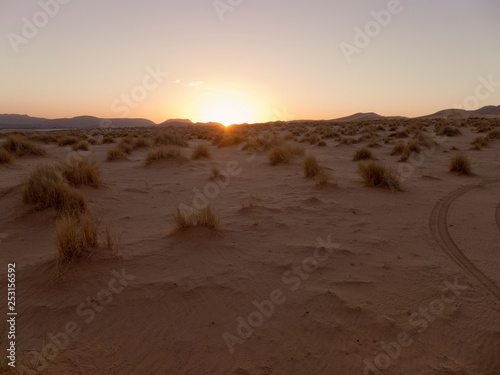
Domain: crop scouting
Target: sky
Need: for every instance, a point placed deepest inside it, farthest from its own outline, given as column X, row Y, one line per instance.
column 247, row 60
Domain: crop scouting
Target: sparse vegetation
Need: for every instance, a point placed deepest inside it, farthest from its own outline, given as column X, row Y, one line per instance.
column 311, row 166
column 205, row 217
column 5, row 156
column 75, row 236
column 21, row 146
column 284, row 153
column 215, row 173
column 322, row 178
column 480, row 142
column 363, row 154
column 81, row 145
column 377, row 175
column 116, row 154
column 165, row 153
column 460, row 164
column 201, row 151
column 165, row 138
column 46, row 188
column 81, row 172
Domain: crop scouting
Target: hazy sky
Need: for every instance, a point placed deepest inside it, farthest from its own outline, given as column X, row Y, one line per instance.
column 255, row 60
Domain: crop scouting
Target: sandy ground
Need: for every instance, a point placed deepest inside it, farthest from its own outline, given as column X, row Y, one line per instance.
column 344, row 279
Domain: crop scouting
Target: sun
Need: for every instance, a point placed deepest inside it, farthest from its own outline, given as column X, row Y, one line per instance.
column 227, row 108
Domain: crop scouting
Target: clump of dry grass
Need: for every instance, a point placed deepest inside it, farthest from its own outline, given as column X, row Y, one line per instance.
column 116, row 154
column 108, row 139
column 215, row 174
column 377, row 175
column 449, row 131
column 205, row 217
column 480, row 142
column 165, row 153
column 46, row 188
column 201, row 151
column 81, row 145
column 75, row 236
column 494, row 134
column 460, row 164
column 284, row 153
column 5, row 156
column 322, row 178
column 164, row 138
column 21, row 146
column 81, row 172
column 311, row 166
column 363, row 154
column 141, row 143
column 67, row 140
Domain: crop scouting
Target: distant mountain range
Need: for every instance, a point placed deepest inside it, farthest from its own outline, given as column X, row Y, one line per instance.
column 89, row 122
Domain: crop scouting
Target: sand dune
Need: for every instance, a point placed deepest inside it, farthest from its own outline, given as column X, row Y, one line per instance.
column 340, row 279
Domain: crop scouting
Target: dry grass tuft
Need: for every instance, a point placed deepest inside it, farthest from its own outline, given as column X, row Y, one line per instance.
column 480, row 142
column 377, row 175
column 116, row 154
column 81, row 145
column 81, row 172
column 201, row 151
column 46, row 188
column 67, row 140
column 205, row 217
column 5, row 156
column 460, row 164
column 141, row 143
column 215, row 173
column 21, row 146
column 363, row 154
column 284, row 153
column 165, row 138
column 165, row 153
column 75, row 236
column 322, row 178
column 311, row 166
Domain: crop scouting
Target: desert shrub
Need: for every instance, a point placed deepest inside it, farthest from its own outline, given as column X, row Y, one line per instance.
column 201, row 151
column 165, row 153
column 140, row 143
column 398, row 148
column 81, row 172
column 5, row 156
column 21, row 146
column 116, row 154
column 494, row 134
column 75, row 235
column 321, row 144
column 377, row 175
column 460, row 164
column 363, row 154
column 322, row 178
column 164, row 138
column 284, row 153
column 67, row 140
column 47, row 188
column 108, row 139
column 414, row 146
column 205, row 217
column 480, row 142
column 449, row 131
column 311, row 166
column 81, row 145
column 405, row 154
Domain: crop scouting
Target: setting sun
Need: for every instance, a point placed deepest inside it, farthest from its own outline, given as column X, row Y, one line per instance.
column 228, row 108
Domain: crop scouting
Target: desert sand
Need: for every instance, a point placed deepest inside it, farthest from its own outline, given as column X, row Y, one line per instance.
column 299, row 279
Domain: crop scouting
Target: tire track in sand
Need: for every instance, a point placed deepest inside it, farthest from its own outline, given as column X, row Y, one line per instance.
column 439, row 229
